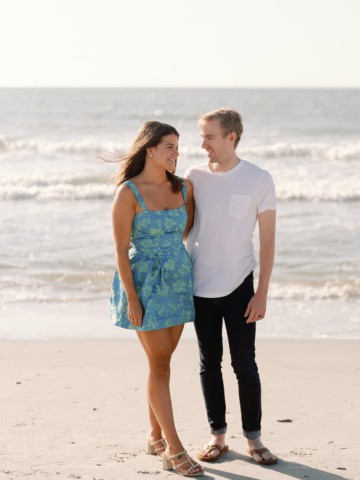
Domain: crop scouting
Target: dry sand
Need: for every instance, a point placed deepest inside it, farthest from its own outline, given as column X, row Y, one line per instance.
column 77, row 410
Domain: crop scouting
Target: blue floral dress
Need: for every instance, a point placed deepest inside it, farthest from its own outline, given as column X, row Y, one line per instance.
column 161, row 268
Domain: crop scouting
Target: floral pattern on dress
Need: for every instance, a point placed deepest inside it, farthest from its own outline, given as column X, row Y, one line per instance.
column 161, row 268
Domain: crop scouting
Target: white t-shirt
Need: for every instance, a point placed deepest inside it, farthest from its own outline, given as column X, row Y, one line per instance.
column 220, row 242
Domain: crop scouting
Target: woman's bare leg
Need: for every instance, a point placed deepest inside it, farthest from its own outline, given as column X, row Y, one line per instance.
column 159, row 346
column 155, row 429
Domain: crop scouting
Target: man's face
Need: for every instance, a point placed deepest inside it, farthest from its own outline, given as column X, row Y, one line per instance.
column 215, row 142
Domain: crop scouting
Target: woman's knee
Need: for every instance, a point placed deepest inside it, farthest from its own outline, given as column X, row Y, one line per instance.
column 160, row 364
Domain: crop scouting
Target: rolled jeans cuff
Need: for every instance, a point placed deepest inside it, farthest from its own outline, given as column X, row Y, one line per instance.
column 252, row 435
column 219, row 431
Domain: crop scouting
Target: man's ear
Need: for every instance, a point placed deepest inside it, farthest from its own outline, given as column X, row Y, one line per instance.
column 232, row 136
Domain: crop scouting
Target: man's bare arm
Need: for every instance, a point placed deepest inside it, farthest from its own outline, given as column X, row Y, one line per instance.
column 257, row 306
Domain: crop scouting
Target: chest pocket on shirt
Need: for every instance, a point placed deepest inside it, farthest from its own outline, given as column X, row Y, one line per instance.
column 239, row 205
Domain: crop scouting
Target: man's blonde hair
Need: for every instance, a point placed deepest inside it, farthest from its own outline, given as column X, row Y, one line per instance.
column 230, row 121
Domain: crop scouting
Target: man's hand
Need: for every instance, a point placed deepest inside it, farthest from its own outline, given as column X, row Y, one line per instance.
column 256, row 308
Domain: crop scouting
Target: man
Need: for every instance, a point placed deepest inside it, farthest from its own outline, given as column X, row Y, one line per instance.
column 230, row 194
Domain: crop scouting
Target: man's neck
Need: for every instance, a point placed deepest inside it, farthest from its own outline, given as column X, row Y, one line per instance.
column 224, row 164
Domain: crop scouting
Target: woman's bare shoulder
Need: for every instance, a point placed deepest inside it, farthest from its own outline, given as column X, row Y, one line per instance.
column 124, row 195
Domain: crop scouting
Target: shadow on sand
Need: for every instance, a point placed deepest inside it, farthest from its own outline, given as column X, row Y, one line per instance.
column 289, row 469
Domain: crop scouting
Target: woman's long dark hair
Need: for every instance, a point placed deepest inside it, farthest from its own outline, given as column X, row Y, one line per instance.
column 149, row 135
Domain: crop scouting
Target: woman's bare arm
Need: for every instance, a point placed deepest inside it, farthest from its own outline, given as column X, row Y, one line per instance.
column 190, row 208
column 123, row 212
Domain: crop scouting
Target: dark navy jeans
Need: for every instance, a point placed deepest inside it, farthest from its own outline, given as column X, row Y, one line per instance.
column 210, row 314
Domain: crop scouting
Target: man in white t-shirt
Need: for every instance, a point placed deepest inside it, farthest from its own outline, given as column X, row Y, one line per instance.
column 231, row 195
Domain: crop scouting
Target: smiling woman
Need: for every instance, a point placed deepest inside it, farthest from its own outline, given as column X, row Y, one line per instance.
column 152, row 289
column 163, row 140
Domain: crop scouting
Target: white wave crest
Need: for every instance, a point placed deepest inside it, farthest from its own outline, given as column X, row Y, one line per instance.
column 346, row 150
column 47, row 147
column 319, row 190
column 309, row 150
column 59, row 191
column 78, row 187
column 350, row 288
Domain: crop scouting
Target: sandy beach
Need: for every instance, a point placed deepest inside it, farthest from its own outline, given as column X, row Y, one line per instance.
column 77, row 410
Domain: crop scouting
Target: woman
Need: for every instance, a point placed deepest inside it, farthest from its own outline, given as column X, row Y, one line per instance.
column 152, row 289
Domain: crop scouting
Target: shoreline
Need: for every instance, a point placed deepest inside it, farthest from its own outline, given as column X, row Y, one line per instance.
column 88, row 321
column 77, row 409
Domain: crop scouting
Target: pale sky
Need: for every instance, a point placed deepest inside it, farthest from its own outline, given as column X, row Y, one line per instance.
column 187, row 43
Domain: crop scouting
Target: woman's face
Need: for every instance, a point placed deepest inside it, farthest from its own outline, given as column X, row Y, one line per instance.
column 166, row 152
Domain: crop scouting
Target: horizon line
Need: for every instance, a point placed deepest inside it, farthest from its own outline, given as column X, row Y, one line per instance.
column 112, row 87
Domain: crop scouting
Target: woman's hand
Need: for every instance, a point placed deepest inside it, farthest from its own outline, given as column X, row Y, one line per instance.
column 135, row 312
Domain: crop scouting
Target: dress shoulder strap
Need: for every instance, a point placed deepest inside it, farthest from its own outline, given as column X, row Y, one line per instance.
column 136, row 192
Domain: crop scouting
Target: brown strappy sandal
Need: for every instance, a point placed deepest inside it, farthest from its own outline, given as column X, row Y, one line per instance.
column 203, row 455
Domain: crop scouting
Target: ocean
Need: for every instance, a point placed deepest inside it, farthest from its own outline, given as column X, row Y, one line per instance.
column 56, row 250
